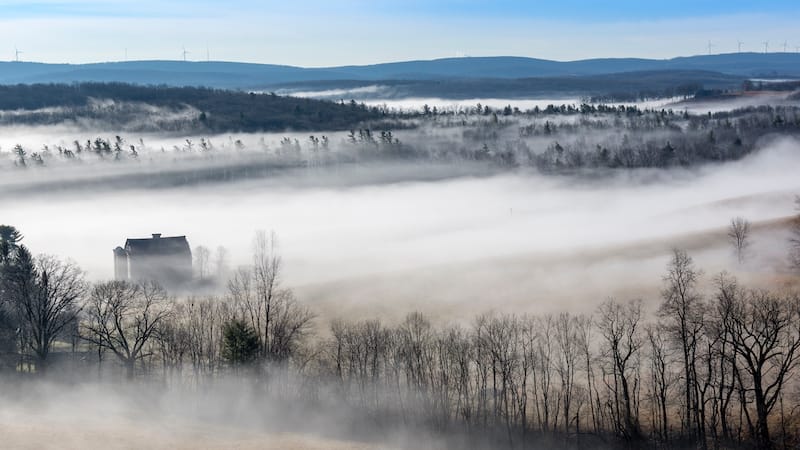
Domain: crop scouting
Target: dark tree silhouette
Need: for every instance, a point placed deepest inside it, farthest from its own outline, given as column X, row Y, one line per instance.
column 240, row 344
column 10, row 238
column 124, row 318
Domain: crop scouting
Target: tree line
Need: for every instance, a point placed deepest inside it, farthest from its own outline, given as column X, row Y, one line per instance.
column 555, row 139
column 617, row 87
column 715, row 367
column 118, row 105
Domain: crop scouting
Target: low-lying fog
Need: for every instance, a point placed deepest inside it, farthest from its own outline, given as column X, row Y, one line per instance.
column 366, row 95
column 416, row 104
column 453, row 245
column 232, row 415
column 693, row 106
column 745, row 100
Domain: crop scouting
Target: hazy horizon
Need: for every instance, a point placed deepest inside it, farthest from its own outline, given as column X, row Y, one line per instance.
column 323, row 34
column 393, row 61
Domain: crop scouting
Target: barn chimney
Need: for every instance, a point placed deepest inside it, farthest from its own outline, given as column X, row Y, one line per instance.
column 156, row 235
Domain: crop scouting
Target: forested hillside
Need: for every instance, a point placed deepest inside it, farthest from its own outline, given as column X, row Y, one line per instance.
column 203, row 108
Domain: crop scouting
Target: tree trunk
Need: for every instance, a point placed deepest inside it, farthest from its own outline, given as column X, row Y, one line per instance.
column 762, row 427
column 129, row 369
column 41, row 364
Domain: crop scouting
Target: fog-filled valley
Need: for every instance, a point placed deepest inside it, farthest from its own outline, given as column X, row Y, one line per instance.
column 406, row 221
column 406, row 273
column 508, row 190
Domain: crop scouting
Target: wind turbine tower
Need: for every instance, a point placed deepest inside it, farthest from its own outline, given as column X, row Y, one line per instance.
column 766, row 46
column 740, row 45
column 710, row 47
column 17, row 52
column 184, row 53
column 785, row 45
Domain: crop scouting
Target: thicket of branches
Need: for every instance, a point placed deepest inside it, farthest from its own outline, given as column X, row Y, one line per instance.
column 716, row 367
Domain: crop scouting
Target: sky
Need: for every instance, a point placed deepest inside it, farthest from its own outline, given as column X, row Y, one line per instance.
column 319, row 33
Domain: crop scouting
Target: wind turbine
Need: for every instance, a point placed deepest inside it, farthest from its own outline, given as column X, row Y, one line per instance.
column 766, row 46
column 740, row 45
column 17, row 52
column 785, row 44
column 710, row 46
column 185, row 52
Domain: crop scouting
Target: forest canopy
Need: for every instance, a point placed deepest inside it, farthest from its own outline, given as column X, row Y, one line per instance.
column 211, row 109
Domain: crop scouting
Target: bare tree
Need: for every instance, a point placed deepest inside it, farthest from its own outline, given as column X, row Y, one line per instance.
column 221, row 268
column 280, row 321
column 764, row 332
column 174, row 343
column 414, row 336
column 739, row 237
column 544, row 399
column 45, row 293
column 499, row 337
column 204, row 320
column 124, row 318
column 291, row 322
column 682, row 311
column 266, row 281
column 201, row 261
column 619, row 326
column 728, row 293
column 661, row 380
column 585, row 328
column 567, row 338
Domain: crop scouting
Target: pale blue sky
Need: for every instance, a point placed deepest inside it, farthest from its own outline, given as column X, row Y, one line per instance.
column 324, row 33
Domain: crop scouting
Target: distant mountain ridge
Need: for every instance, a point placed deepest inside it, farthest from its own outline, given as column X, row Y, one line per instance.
column 232, row 75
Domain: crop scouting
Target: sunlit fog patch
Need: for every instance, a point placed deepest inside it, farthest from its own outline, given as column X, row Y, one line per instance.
column 338, row 94
column 730, row 103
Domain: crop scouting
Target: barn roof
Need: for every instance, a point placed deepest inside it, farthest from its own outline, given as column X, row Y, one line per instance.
column 158, row 245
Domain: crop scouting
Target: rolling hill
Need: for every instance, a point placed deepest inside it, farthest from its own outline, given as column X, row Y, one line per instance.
column 233, row 75
column 450, row 77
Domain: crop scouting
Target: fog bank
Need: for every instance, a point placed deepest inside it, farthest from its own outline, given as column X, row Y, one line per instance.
column 393, row 241
column 231, row 414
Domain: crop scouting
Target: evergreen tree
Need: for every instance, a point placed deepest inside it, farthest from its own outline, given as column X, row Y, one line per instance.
column 239, row 343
